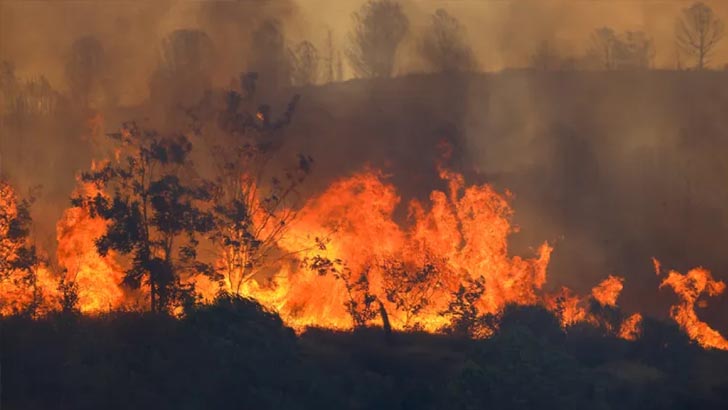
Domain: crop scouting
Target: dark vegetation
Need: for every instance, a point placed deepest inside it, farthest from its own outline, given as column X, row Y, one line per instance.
column 621, row 160
column 234, row 354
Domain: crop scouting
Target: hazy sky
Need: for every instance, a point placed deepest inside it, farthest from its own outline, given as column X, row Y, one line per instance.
column 36, row 34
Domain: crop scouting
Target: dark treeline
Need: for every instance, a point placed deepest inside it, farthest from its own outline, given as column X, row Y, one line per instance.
column 234, row 354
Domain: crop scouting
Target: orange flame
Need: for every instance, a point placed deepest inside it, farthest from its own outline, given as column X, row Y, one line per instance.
column 98, row 277
column 607, row 292
column 689, row 287
column 463, row 231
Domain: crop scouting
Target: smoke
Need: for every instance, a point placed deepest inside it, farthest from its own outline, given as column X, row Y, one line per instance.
column 611, row 168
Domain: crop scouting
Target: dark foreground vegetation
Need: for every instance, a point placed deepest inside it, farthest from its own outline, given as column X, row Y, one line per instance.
column 234, row 354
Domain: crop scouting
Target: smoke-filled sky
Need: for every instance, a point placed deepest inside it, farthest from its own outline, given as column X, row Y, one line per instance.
column 36, row 35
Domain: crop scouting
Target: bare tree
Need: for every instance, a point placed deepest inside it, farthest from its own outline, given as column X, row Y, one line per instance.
column 255, row 201
column 445, row 45
column 698, row 31
column 602, row 46
column 379, row 28
column 304, row 63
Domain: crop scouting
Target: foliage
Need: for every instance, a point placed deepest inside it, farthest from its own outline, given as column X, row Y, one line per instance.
column 269, row 55
column 234, row 353
column 19, row 259
column 304, row 63
column 154, row 215
column 183, row 75
column 361, row 303
column 87, row 73
column 410, row 288
column 445, row 46
column 379, row 27
column 463, row 313
column 16, row 252
column 615, row 51
column 254, row 204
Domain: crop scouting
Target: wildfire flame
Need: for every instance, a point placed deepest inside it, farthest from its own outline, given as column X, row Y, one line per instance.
column 348, row 251
column 689, row 288
column 98, row 277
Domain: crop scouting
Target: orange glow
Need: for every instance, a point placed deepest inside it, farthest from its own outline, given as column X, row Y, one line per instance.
column 35, row 292
column 689, row 288
column 461, row 235
column 98, row 277
column 607, row 292
column 38, row 296
column 351, row 263
column 630, row 329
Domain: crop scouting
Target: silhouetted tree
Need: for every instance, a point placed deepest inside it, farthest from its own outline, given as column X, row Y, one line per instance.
column 19, row 260
column 462, row 311
column 87, row 73
column 183, row 75
column 9, row 86
column 153, row 213
column 379, row 27
column 545, row 57
column 445, row 45
column 698, row 31
column 602, row 45
column 361, row 304
column 633, row 50
column 16, row 252
column 410, row 288
column 269, row 56
column 304, row 63
column 254, row 202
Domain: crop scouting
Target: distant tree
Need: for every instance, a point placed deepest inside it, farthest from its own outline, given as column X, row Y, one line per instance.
column 87, row 73
column 545, row 57
column 339, row 68
column 379, row 27
column 254, row 203
column 304, row 63
column 270, row 58
column 8, row 81
column 633, row 50
column 187, row 58
column 629, row 50
column 154, row 215
column 445, row 45
column 602, row 45
column 329, row 58
column 698, row 31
